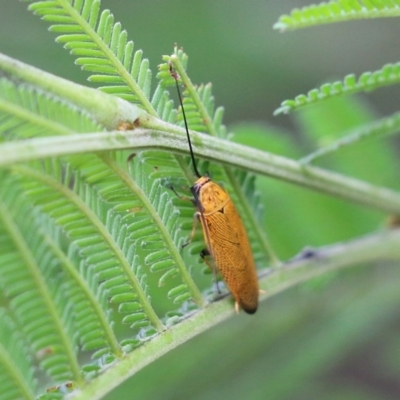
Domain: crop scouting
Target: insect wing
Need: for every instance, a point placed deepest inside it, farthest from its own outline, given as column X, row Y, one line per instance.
column 229, row 247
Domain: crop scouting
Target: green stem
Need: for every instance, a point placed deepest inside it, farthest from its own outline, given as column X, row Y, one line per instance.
column 107, row 110
column 208, row 147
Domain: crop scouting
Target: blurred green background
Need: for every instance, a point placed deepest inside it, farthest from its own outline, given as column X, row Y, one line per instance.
column 334, row 338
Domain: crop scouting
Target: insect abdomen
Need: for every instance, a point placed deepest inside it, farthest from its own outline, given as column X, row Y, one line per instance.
column 229, row 247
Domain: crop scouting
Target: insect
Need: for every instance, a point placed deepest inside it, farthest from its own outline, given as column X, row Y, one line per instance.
column 224, row 233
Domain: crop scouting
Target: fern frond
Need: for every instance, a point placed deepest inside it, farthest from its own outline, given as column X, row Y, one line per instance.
column 42, row 122
column 42, row 108
column 167, row 258
column 337, row 11
column 165, row 105
column 155, row 213
column 26, row 268
column 368, row 81
column 15, row 362
column 118, row 285
column 101, row 47
column 93, row 324
column 383, row 127
column 95, row 171
column 91, row 236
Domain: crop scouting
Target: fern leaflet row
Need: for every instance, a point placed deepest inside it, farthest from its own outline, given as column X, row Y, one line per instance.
column 383, row 127
column 112, row 189
column 41, row 310
column 337, row 11
column 368, row 81
column 101, row 47
column 15, row 364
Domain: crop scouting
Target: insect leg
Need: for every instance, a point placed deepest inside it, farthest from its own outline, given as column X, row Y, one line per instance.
column 184, row 198
column 192, row 233
column 209, row 261
column 204, row 253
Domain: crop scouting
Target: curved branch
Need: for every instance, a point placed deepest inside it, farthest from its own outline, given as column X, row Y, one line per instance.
column 211, row 148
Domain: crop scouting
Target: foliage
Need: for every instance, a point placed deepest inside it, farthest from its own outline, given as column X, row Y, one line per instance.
column 92, row 272
column 337, row 11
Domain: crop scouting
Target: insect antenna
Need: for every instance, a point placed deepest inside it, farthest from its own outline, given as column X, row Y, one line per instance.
column 176, row 77
column 197, row 201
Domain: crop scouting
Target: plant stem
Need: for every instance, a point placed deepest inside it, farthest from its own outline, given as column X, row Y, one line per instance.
column 107, row 110
column 173, row 139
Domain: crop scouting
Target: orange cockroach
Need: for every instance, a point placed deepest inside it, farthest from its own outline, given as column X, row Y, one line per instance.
column 224, row 234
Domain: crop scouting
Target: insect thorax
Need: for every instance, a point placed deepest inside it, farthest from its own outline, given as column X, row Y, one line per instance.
column 210, row 196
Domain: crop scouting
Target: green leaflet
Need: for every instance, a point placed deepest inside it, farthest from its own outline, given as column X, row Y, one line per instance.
column 16, row 367
column 337, row 11
column 368, row 81
column 37, row 303
column 100, row 46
